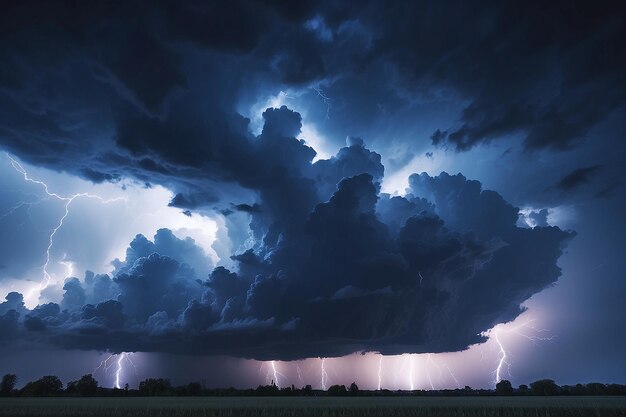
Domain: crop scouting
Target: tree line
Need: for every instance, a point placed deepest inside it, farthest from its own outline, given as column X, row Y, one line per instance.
column 87, row 386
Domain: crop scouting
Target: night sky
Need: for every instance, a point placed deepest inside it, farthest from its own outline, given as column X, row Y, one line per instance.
column 403, row 194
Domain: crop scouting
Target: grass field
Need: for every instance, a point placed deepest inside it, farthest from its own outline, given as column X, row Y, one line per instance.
column 314, row 406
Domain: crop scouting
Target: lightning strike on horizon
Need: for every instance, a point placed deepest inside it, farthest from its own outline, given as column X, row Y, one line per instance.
column 272, row 375
column 118, row 372
column 503, row 360
column 67, row 201
column 324, row 374
column 109, row 362
column 299, row 373
column 411, row 365
column 275, row 374
column 430, row 380
column 380, row 369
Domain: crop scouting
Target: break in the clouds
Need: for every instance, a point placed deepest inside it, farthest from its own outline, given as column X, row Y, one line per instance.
column 314, row 259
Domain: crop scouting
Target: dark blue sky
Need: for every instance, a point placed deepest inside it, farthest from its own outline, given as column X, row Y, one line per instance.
column 275, row 181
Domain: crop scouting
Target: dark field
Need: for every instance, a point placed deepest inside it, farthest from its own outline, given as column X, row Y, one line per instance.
column 311, row 406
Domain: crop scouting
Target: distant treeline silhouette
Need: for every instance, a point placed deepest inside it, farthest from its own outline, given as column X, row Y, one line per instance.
column 87, row 386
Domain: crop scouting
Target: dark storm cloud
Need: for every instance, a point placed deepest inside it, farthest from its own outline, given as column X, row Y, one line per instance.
column 548, row 71
column 247, row 208
column 13, row 301
column 164, row 80
column 150, row 92
column 329, row 275
column 578, row 177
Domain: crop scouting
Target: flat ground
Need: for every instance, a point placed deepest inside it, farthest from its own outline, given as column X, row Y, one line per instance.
column 314, row 406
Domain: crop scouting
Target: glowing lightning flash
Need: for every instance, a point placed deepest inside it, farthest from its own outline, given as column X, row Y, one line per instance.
column 324, row 374
column 299, row 373
column 67, row 201
column 275, row 372
column 272, row 375
column 380, row 370
column 503, row 360
column 104, row 365
column 411, row 363
column 118, row 372
column 122, row 359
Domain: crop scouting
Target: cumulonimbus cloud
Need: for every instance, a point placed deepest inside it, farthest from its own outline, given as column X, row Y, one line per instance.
column 336, row 267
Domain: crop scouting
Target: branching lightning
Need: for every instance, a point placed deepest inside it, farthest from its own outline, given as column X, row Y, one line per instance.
column 272, row 375
column 104, row 365
column 502, row 361
column 275, row 372
column 503, row 358
column 67, row 201
column 327, row 100
column 119, row 361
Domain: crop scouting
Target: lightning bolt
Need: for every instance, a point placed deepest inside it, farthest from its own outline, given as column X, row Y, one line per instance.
column 327, row 100
column 47, row 279
column 456, row 381
column 324, row 374
column 411, row 365
column 272, row 375
column 118, row 361
column 18, row 206
column 299, row 373
column 120, row 368
column 275, row 374
column 380, row 371
column 104, row 365
column 503, row 356
column 430, row 380
column 502, row 361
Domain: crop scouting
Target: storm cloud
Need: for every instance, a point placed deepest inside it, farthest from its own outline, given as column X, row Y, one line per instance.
column 337, row 267
column 153, row 91
column 316, row 259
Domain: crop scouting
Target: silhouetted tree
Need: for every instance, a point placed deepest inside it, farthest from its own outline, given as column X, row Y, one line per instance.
column 544, row 387
column 85, row 386
column 504, row 387
column 8, row 384
column 596, row 388
column 354, row 388
column 43, row 387
column 336, row 390
column 194, row 388
column 523, row 389
column 155, row 386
